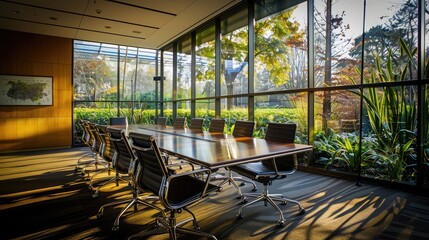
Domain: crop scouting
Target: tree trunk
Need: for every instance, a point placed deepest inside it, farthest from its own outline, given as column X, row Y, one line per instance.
column 326, row 115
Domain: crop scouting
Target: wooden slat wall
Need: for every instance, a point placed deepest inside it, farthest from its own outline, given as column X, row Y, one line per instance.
column 37, row 127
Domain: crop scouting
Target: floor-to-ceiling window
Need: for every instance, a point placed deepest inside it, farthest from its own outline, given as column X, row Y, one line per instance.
column 349, row 79
column 110, row 81
column 347, row 72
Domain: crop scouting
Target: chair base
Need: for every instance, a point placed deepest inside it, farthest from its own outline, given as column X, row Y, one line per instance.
column 163, row 226
column 131, row 203
column 271, row 199
column 114, row 179
column 229, row 179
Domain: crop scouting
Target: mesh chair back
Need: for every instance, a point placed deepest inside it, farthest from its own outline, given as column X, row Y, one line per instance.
column 179, row 122
column 243, row 129
column 197, row 123
column 107, row 150
column 123, row 154
column 282, row 132
column 153, row 169
column 161, row 121
column 86, row 135
column 217, row 125
column 94, row 140
column 118, row 121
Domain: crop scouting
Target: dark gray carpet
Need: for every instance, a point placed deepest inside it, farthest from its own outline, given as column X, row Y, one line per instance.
column 42, row 198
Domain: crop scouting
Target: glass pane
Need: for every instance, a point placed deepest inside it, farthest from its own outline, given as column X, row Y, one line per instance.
column 127, row 72
column 389, row 124
column 95, row 71
column 168, row 74
column 95, row 112
column 337, row 131
column 388, row 23
column 280, row 46
column 234, row 55
column 337, row 47
column 168, row 112
column 205, row 109
column 425, row 130
column 238, row 111
column 184, row 110
column 205, row 63
column 282, row 108
column 145, row 89
column 184, row 51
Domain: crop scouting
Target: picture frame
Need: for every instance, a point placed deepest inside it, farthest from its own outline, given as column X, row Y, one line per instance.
column 20, row 90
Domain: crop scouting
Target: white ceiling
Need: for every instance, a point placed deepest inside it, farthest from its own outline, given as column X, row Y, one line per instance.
column 141, row 23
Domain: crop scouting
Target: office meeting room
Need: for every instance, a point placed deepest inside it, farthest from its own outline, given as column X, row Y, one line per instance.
column 226, row 119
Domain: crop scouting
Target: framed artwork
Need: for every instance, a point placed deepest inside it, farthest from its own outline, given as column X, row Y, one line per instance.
column 26, row 90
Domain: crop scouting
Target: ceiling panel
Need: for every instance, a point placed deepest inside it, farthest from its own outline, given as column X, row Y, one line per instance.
column 127, row 13
column 75, row 6
column 23, row 26
column 147, row 24
column 115, row 27
column 38, row 15
column 171, row 6
column 108, row 38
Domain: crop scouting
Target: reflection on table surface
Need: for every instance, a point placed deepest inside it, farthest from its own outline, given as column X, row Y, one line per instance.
column 214, row 150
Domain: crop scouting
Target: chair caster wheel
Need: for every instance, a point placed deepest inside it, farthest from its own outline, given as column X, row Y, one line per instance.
column 239, row 216
column 219, row 189
column 302, row 211
column 238, row 197
column 254, row 189
column 242, row 184
column 99, row 214
column 243, row 201
column 284, row 203
column 280, row 223
column 95, row 195
column 115, row 228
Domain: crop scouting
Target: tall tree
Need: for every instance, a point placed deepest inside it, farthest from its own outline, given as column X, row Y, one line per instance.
column 90, row 77
column 274, row 37
column 331, row 43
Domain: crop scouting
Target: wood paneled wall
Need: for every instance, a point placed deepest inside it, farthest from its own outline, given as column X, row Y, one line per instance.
column 37, row 127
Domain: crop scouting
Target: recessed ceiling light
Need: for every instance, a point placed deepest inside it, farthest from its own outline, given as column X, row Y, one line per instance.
column 53, row 18
column 98, row 11
column 137, row 32
column 108, row 27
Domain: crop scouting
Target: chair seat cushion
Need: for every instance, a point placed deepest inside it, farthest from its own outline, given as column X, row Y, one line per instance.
column 257, row 171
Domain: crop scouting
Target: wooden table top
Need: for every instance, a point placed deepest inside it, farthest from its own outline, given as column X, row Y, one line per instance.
column 216, row 150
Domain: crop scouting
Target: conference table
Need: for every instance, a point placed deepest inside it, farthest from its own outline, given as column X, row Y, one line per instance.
column 214, row 150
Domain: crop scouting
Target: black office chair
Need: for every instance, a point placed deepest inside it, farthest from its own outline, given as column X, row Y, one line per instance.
column 270, row 170
column 86, row 136
column 124, row 162
column 197, row 124
column 118, row 121
column 107, row 153
column 217, row 125
column 241, row 129
column 180, row 122
column 176, row 191
column 94, row 144
column 161, row 121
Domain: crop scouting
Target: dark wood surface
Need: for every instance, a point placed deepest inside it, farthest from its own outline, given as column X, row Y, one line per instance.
column 215, row 150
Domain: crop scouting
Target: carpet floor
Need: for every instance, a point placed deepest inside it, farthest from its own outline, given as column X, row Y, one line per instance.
column 41, row 197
